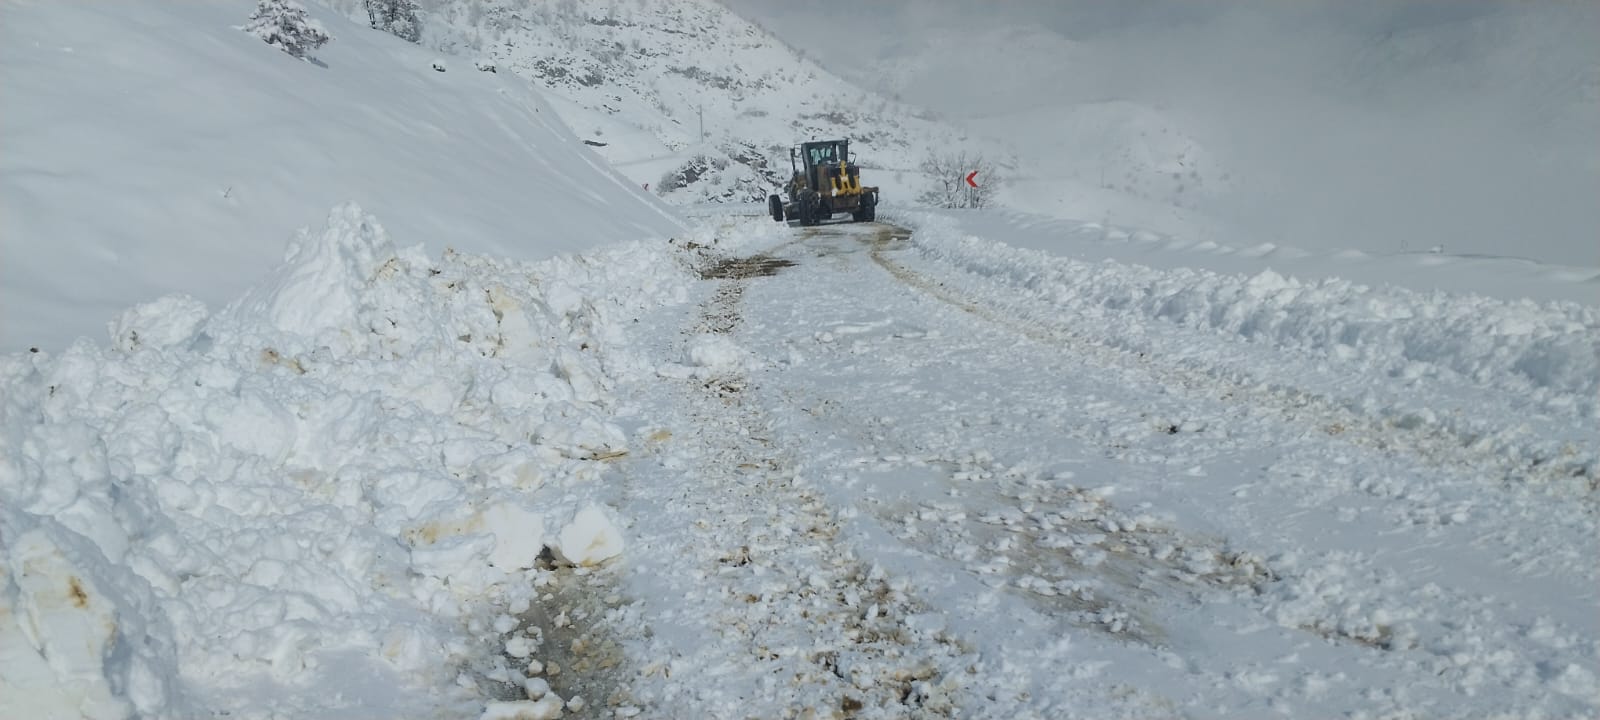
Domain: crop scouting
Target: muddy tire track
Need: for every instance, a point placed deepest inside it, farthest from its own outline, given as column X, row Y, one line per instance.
column 782, row 590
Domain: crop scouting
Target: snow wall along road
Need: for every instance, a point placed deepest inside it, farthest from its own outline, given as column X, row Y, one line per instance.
column 290, row 476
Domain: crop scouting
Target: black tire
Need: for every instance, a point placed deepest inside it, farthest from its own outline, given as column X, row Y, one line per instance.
column 867, row 211
column 809, row 209
column 775, row 206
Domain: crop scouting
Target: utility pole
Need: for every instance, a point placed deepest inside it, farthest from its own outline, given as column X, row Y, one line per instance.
column 702, row 111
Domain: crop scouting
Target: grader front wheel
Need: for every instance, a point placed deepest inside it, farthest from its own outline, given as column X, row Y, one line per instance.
column 809, row 207
column 867, row 210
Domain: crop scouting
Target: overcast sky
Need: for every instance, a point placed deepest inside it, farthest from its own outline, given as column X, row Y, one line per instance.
column 1164, row 43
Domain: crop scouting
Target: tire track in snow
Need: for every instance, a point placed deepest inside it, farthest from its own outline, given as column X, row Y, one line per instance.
column 1415, row 624
column 1532, row 486
column 1064, row 548
column 568, row 643
column 766, row 595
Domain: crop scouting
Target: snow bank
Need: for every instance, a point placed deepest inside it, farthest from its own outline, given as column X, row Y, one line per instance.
column 319, row 482
column 1503, row 276
column 1547, row 351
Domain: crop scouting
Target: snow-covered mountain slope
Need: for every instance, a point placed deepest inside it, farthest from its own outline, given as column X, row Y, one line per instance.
column 646, row 79
column 1113, row 161
column 134, row 129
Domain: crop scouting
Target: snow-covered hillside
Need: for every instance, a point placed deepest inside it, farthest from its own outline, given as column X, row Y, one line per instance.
column 134, row 131
column 645, row 79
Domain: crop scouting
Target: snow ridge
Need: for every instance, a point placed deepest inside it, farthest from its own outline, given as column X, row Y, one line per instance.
column 1545, row 349
column 323, row 481
column 1515, row 380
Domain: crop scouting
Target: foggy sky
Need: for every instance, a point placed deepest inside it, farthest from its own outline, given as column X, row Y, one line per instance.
column 1366, row 124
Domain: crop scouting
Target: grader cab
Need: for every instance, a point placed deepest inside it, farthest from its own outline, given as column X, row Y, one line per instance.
column 825, row 183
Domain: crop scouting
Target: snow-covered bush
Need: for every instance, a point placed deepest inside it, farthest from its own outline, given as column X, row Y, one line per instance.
column 690, row 172
column 396, row 17
column 285, row 25
column 715, row 177
column 949, row 172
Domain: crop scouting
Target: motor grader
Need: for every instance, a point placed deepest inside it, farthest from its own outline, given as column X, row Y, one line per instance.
column 825, row 183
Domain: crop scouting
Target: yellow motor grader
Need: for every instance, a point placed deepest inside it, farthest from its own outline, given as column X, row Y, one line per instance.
column 825, row 183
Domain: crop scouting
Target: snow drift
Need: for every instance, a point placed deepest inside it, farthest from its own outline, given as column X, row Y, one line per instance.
column 1539, row 357
column 315, row 484
column 290, row 477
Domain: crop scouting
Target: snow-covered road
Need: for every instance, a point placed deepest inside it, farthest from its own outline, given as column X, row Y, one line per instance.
column 867, row 481
column 875, row 471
